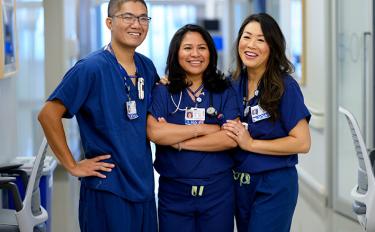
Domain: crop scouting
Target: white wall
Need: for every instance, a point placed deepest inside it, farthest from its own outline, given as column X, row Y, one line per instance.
column 318, row 72
column 8, row 119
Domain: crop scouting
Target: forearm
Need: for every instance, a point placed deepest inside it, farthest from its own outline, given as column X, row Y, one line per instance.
column 281, row 146
column 218, row 141
column 55, row 135
column 165, row 133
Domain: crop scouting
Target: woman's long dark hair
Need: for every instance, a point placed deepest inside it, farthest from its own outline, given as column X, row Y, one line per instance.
column 271, row 85
column 213, row 79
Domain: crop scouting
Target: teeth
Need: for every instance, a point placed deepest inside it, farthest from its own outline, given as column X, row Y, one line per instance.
column 250, row 54
column 195, row 62
column 136, row 34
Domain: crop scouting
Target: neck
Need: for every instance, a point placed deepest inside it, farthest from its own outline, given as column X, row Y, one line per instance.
column 196, row 82
column 254, row 75
column 124, row 55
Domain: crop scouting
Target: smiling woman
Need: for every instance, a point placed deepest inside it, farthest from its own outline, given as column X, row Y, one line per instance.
column 8, row 48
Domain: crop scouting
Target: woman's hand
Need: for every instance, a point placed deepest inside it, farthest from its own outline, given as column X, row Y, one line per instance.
column 237, row 131
column 164, row 80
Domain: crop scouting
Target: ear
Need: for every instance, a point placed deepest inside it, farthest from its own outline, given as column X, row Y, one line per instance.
column 108, row 22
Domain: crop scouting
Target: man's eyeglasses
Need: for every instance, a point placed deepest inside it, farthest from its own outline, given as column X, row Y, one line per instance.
column 130, row 18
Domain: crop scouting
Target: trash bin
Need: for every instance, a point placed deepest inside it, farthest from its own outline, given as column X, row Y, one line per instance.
column 45, row 184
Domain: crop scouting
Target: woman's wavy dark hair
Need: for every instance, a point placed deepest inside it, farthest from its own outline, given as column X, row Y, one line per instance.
column 213, row 79
column 271, row 85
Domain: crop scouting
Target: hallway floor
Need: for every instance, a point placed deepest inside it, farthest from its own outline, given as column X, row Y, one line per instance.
column 313, row 216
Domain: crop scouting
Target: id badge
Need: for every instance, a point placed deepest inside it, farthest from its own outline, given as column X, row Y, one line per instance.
column 141, row 88
column 258, row 114
column 131, row 110
column 194, row 116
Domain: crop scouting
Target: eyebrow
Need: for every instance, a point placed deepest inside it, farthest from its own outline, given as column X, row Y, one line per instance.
column 128, row 13
column 192, row 44
column 259, row 35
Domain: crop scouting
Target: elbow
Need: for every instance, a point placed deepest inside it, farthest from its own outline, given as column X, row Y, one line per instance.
column 152, row 134
column 42, row 117
column 305, row 147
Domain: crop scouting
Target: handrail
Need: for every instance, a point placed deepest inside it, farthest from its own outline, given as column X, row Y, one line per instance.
column 317, row 118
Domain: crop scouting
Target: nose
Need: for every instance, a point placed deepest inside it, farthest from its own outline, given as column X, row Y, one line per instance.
column 251, row 43
column 195, row 52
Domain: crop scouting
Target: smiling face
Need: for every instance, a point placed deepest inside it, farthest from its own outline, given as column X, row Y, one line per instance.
column 125, row 34
column 253, row 49
column 193, row 55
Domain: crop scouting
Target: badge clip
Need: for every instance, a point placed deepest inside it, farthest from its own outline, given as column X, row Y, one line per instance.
column 141, row 88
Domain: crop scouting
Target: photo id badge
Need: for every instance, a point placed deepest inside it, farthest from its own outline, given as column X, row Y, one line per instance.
column 257, row 113
column 131, row 110
column 194, row 116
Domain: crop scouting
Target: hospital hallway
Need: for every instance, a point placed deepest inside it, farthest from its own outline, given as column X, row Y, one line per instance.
column 330, row 43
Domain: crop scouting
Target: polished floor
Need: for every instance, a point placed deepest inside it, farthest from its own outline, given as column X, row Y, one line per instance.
column 312, row 216
column 308, row 219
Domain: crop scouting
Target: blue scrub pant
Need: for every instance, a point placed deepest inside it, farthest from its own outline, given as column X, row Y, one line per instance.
column 267, row 204
column 184, row 208
column 101, row 211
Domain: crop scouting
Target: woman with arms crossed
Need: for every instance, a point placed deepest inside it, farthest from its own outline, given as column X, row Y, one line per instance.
column 195, row 186
column 266, row 182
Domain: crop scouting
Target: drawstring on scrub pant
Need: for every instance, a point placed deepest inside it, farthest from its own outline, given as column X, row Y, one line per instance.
column 242, row 176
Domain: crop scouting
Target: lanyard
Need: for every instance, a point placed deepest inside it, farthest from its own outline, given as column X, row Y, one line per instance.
column 122, row 72
column 197, row 99
column 245, row 94
column 245, row 102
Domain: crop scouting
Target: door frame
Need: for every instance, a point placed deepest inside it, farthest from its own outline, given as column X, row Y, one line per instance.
column 339, row 204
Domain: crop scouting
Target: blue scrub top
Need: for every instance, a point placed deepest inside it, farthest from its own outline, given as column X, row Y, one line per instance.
column 94, row 91
column 188, row 165
column 292, row 110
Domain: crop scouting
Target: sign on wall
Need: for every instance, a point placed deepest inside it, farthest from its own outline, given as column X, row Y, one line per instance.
column 8, row 39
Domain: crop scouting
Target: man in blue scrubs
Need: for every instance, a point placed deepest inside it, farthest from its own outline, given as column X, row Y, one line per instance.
column 109, row 92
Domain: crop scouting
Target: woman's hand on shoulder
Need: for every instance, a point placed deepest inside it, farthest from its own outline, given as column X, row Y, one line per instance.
column 164, row 80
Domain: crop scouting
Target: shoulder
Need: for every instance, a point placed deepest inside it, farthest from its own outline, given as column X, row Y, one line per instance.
column 289, row 82
column 93, row 61
column 144, row 59
column 230, row 90
column 160, row 90
column 291, row 88
column 88, row 68
column 236, row 83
